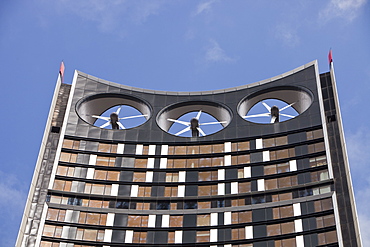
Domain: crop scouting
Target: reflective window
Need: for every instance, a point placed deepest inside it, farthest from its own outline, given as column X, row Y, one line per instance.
column 107, row 148
column 122, row 204
column 203, row 220
column 68, row 157
column 190, row 205
column 202, row 236
column 176, row 220
column 71, row 144
column 105, row 161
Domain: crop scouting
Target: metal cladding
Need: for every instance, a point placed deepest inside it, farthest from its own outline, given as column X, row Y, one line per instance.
column 195, row 168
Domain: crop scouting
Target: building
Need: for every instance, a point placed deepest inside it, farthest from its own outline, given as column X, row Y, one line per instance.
column 245, row 176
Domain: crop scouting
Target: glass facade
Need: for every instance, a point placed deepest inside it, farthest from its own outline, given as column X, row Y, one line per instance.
column 249, row 185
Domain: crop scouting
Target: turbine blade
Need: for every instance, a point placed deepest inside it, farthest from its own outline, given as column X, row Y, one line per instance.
column 201, row 131
column 287, row 106
column 118, row 111
column 198, row 115
column 182, row 131
column 179, row 121
column 286, row 115
column 259, row 115
column 213, row 123
column 273, row 119
column 144, row 115
column 121, row 125
column 101, row 117
column 105, row 125
column 266, row 105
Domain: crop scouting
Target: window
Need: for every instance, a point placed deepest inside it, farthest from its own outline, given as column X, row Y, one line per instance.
column 190, row 205
column 163, row 205
column 68, row 157
column 107, row 148
column 105, row 161
column 192, row 150
column 176, row 220
column 122, row 204
column 202, row 236
column 71, row 144
column 74, row 201
column 203, row 220
column 243, row 146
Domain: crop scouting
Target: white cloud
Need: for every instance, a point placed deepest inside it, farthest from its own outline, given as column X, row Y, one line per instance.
column 365, row 226
column 358, row 145
column 287, row 35
column 362, row 201
column 204, row 7
column 214, row 53
column 12, row 202
column 346, row 9
column 112, row 15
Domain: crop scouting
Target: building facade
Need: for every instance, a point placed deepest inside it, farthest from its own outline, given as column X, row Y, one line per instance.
column 232, row 180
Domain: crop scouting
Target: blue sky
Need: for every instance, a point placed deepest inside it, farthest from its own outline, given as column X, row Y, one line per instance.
column 177, row 45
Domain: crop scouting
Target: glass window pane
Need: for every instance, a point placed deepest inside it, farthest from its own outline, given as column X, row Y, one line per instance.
column 92, row 218
column 204, row 176
column 205, row 149
column 287, row 227
column 286, row 211
column 103, row 147
column 176, row 220
column 202, row 236
column 113, row 176
column 244, row 187
column 205, row 162
column 283, row 140
column 219, row 161
column 192, row 150
column 244, row 159
column 140, row 163
column 139, row 177
column 282, row 154
column 52, row 214
column 273, row 230
column 203, row 220
column 134, row 221
column 180, row 150
column 243, row 146
column 267, row 143
column 62, row 170
column 90, row 235
column 67, row 143
column 284, row 182
column 269, row 170
column 204, row 190
column 271, row 184
column 245, row 217
column 218, row 148
column 283, row 167
column 179, row 163
column 192, row 163
column 99, row 174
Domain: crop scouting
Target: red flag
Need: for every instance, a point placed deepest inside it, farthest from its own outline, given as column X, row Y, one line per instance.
column 61, row 70
column 330, row 57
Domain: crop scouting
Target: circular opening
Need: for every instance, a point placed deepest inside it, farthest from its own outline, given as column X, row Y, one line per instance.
column 113, row 111
column 194, row 119
column 275, row 105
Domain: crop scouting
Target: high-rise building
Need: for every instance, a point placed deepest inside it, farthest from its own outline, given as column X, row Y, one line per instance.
column 260, row 165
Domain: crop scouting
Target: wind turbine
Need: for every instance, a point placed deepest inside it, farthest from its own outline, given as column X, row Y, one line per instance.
column 194, row 125
column 273, row 112
column 114, row 120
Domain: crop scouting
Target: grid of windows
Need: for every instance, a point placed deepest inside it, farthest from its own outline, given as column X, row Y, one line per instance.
column 203, row 177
